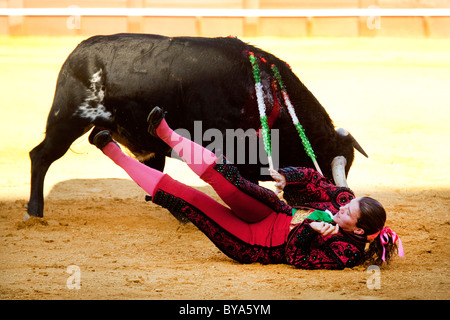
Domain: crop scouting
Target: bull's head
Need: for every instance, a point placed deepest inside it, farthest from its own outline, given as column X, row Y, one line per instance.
column 340, row 164
column 335, row 164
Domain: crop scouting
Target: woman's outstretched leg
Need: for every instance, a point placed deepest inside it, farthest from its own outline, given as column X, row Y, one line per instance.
column 195, row 156
column 201, row 209
column 202, row 162
column 147, row 178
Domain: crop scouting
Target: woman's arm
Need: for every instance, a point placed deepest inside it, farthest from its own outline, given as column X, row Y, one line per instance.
column 280, row 180
column 307, row 187
column 308, row 249
column 294, row 176
column 324, row 228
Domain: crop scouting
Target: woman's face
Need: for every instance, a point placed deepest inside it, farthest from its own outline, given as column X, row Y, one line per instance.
column 348, row 216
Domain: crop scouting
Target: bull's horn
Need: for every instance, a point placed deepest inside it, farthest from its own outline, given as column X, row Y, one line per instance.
column 338, row 170
column 356, row 145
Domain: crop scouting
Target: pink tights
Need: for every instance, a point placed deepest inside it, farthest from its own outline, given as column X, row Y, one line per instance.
column 246, row 218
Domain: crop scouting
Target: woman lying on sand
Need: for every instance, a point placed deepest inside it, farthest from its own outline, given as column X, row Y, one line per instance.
column 257, row 226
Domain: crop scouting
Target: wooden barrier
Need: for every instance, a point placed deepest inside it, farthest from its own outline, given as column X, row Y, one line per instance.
column 282, row 18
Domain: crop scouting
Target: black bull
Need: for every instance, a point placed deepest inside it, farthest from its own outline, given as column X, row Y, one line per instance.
column 114, row 81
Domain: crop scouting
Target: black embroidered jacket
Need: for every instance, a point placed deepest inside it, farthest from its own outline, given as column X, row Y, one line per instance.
column 306, row 248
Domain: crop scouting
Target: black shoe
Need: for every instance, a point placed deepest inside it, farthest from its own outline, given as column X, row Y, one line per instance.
column 101, row 139
column 94, row 133
column 154, row 119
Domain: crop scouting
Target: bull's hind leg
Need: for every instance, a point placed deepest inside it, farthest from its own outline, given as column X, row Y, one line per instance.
column 76, row 108
column 58, row 138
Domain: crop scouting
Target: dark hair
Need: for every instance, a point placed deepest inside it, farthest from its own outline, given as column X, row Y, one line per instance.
column 372, row 220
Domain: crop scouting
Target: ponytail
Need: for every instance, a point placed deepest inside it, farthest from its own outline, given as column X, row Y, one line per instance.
column 382, row 240
column 383, row 247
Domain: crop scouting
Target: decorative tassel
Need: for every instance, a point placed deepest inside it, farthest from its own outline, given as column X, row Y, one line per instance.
column 298, row 126
column 261, row 108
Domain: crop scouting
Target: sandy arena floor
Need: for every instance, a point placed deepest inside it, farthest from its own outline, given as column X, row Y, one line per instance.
column 392, row 94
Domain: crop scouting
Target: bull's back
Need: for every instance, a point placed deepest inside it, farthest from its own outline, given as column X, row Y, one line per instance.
column 189, row 75
column 133, row 57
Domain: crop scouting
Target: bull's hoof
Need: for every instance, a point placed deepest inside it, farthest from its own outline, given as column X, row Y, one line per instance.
column 29, row 215
column 154, row 119
column 31, row 222
column 33, row 210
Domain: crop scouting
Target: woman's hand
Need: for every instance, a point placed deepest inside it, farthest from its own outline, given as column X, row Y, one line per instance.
column 280, row 180
column 323, row 228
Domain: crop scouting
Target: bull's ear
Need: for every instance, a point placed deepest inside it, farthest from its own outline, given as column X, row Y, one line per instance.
column 356, row 145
